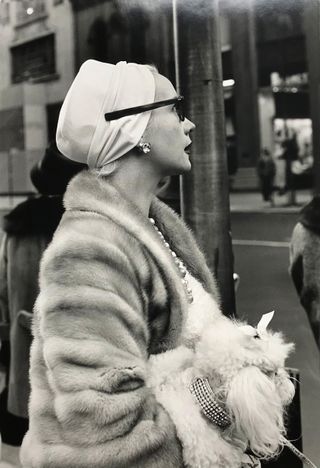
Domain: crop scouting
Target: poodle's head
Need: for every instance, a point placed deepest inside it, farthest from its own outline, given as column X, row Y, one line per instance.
column 246, row 370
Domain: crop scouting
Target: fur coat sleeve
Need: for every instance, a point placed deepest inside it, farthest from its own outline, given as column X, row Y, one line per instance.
column 109, row 297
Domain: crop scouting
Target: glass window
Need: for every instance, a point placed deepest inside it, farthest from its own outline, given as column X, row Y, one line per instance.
column 34, row 59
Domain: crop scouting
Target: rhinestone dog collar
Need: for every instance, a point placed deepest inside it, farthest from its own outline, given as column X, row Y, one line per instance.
column 201, row 390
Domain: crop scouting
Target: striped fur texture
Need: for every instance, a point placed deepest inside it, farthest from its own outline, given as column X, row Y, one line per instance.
column 110, row 296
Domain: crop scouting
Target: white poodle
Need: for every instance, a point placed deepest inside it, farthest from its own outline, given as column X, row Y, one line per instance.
column 225, row 388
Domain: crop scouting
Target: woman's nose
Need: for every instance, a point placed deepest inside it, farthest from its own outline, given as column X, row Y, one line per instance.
column 188, row 125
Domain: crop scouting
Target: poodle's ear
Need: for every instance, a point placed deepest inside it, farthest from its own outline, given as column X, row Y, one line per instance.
column 257, row 411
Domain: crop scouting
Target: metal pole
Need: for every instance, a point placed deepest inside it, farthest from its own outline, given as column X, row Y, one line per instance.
column 176, row 44
column 11, row 152
column 177, row 75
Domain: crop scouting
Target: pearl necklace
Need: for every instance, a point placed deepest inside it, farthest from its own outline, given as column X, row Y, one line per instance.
column 179, row 263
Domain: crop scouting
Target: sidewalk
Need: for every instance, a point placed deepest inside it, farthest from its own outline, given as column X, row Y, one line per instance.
column 239, row 202
column 253, row 202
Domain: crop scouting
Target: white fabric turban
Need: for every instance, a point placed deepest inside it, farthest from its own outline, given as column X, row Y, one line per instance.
column 83, row 134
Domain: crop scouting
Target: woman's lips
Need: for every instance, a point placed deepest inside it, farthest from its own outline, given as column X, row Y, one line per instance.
column 188, row 149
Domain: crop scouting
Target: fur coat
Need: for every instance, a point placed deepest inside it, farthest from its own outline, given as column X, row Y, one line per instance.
column 305, row 262
column 28, row 229
column 110, row 296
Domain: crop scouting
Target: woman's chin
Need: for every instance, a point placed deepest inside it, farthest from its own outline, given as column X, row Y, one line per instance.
column 183, row 166
column 187, row 164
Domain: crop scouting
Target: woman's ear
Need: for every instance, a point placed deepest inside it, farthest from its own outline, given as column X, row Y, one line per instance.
column 255, row 405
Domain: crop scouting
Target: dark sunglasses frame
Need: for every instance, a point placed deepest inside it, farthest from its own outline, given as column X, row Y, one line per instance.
column 178, row 101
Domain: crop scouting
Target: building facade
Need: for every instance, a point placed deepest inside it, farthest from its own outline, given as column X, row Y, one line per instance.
column 37, row 67
column 44, row 42
column 269, row 65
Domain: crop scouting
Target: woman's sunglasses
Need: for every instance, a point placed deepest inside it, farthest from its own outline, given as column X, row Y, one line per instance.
column 178, row 103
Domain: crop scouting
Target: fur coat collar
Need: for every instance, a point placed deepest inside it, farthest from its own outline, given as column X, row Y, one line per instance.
column 90, row 193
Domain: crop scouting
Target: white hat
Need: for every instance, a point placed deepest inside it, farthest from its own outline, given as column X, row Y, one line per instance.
column 83, row 134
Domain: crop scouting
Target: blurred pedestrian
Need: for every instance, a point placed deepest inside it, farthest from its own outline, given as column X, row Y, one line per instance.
column 304, row 265
column 232, row 158
column 28, row 229
column 280, row 177
column 290, row 155
column 266, row 170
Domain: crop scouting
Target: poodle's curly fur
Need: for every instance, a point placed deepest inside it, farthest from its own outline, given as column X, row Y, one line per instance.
column 247, row 375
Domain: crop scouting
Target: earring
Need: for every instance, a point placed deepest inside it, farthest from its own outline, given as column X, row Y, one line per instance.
column 144, row 147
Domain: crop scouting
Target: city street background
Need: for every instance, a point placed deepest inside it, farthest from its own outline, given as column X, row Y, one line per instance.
column 260, row 245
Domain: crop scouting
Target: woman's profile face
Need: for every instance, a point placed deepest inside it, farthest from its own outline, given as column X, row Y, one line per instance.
column 168, row 136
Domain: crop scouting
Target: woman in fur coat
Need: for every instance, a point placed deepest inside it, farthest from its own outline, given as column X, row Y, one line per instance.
column 110, row 291
column 116, row 282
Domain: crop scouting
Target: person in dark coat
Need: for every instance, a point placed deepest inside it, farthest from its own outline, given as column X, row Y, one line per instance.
column 290, row 154
column 304, row 265
column 266, row 170
column 28, row 229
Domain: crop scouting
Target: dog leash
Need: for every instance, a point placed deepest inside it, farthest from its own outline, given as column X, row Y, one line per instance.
column 297, row 452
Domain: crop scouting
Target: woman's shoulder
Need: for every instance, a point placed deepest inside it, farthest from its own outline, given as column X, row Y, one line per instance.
column 86, row 234
column 88, row 246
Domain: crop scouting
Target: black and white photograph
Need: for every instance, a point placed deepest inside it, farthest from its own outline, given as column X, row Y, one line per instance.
column 159, row 233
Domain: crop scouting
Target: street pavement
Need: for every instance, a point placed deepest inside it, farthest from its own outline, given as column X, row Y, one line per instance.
column 252, row 201
column 261, row 238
